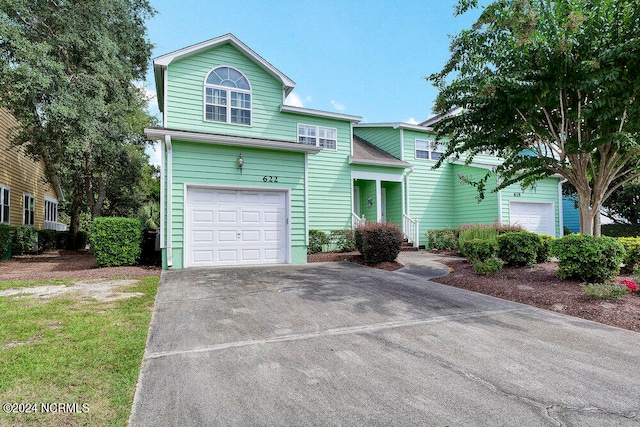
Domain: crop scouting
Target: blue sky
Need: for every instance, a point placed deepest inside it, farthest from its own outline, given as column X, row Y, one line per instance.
column 367, row 59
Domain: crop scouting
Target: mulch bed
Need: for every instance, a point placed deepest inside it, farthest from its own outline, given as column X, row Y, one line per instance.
column 66, row 265
column 354, row 257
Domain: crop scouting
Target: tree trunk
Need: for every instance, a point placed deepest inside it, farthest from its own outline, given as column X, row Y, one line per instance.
column 587, row 214
column 74, row 219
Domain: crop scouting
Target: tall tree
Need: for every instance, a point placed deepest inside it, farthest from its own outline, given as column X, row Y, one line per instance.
column 67, row 72
column 552, row 87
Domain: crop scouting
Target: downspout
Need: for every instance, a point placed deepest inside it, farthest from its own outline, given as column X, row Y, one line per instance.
column 163, row 196
column 167, row 141
column 560, row 208
column 500, row 207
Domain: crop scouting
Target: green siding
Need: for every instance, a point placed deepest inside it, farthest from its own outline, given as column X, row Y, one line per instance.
column 386, row 138
column 217, row 165
column 368, row 189
column 546, row 191
column 394, row 202
column 467, row 207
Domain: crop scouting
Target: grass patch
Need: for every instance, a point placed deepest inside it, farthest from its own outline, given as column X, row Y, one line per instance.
column 73, row 350
column 12, row 284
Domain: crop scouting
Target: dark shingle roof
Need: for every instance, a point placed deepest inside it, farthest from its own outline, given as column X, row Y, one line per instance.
column 365, row 151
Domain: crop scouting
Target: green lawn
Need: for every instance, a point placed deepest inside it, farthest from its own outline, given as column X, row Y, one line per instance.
column 73, row 350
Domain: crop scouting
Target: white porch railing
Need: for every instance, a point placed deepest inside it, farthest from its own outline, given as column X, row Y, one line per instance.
column 51, row 225
column 411, row 229
column 356, row 221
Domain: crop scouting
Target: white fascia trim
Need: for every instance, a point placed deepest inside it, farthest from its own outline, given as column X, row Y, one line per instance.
column 230, row 140
column 375, row 176
column 166, row 59
column 351, row 139
column 402, row 144
column 318, row 113
column 396, row 125
column 50, row 199
column 165, row 85
column 379, row 163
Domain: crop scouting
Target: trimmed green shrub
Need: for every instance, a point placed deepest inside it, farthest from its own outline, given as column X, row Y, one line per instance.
column 25, row 240
column 544, row 249
column 518, row 248
column 379, row 242
column 603, row 290
column 589, row 258
column 116, row 241
column 343, row 240
column 47, row 240
column 489, row 267
column 443, row 240
column 636, row 273
column 620, row 230
column 317, row 239
column 632, row 246
column 5, row 239
column 82, row 238
column 479, row 250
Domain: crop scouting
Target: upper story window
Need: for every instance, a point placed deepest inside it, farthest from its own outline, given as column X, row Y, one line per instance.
column 5, row 204
column 428, row 150
column 319, row 136
column 227, row 97
column 29, row 210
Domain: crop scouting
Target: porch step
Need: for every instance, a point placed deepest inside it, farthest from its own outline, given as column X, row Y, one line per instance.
column 406, row 246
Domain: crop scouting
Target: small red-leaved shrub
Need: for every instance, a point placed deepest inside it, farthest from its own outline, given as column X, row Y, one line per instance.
column 379, row 242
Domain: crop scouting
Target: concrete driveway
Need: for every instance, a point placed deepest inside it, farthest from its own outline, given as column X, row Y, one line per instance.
column 341, row 344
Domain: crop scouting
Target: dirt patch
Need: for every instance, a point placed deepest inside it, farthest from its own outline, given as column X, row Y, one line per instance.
column 104, row 290
column 66, row 265
column 539, row 286
column 354, row 257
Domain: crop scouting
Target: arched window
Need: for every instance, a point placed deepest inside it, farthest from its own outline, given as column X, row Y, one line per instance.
column 227, row 97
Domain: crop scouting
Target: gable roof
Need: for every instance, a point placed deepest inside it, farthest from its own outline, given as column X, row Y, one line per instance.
column 161, row 63
column 435, row 119
column 366, row 153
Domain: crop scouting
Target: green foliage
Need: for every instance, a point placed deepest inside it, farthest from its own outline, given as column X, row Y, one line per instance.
column 549, row 86
column 519, row 248
column 603, row 290
column 479, row 250
column 589, row 258
column 317, row 239
column 343, row 240
column 443, row 240
column 475, row 231
column 25, row 240
column 636, row 273
column 544, row 249
column 48, row 240
column 489, row 267
column 632, row 248
column 625, row 203
column 5, row 239
column 621, row 230
column 116, row 241
column 379, row 242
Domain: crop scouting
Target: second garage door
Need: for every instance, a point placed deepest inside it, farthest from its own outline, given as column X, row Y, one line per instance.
column 229, row 227
column 536, row 217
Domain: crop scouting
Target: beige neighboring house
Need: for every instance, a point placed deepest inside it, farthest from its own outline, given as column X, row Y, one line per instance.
column 27, row 198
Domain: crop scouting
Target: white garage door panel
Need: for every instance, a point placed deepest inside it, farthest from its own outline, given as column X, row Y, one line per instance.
column 226, row 227
column 536, row 217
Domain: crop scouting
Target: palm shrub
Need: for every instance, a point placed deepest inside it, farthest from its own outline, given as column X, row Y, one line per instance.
column 379, row 242
column 476, row 231
column 589, row 258
column 443, row 240
column 518, row 248
column 317, row 239
column 116, row 241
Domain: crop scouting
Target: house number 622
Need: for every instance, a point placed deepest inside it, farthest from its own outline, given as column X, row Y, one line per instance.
column 270, row 178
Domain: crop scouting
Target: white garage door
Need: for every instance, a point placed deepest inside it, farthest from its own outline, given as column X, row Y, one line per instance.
column 228, row 227
column 536, row 217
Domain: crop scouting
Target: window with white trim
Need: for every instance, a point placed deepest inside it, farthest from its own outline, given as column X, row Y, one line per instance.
column 50, row 209
column 319, row 136
column 428, row 150
column 29, row 208
column 227, row 97
column 5, row 204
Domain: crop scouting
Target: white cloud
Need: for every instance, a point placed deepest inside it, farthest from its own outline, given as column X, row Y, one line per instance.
column 412, row 121
column 295, row 100
column 153, row 151
column 338, row 106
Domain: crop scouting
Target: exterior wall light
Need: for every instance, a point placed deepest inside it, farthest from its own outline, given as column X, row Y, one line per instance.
column 369, row 201
column 240, row 163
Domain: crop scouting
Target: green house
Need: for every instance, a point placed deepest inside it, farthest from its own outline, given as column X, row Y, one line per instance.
column 245, row 176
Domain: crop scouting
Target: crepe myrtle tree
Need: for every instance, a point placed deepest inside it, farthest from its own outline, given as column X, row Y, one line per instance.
column 552, row 87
